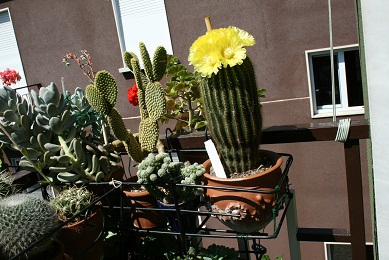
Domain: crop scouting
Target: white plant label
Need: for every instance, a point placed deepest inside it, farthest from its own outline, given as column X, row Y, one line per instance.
column 215, row 159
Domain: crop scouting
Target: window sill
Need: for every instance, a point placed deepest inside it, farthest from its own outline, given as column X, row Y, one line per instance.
column 124, row 70
column 339, row 112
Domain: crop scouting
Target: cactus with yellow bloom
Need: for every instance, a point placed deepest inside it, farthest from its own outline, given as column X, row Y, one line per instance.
column 229, row 92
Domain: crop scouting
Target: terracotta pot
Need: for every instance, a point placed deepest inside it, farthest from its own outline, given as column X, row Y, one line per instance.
column 141, row 218
column 79, row 236
column 255, row 208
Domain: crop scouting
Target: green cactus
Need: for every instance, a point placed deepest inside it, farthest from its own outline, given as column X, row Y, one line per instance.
column 230, row 95
column 159, row 170
column 24, row 219
column 234, row 117
column 71, row 201
column 102, row 96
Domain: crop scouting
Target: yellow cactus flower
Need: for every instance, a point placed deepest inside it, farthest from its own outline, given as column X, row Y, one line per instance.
column 219, row 48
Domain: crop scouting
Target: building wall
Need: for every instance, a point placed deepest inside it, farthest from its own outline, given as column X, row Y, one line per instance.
column 46, row 30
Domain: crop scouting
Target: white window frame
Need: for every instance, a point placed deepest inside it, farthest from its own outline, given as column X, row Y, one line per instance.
column 7, row 33
column 327, row 248
column 156, row 32
column 342, row 109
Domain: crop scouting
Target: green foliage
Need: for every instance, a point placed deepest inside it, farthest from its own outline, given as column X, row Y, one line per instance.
column 57, row 133
column 71, row 201
column 24, row 219
column 212, row 252
column 183, row 99
column 159, row 170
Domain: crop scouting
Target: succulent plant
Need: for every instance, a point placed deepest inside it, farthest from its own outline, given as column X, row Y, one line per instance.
column 102, row 96
column 71, row 201
column 52, row 132
column 183, row 99
column 230, row 96
column 24, row 219
column 160, row 171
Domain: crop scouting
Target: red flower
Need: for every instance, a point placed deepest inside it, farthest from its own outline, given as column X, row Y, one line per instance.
column 10, row 77
column 132, row 95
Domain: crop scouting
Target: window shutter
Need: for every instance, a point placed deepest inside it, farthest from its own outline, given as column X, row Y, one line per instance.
column 9, row 51
column 142, row 21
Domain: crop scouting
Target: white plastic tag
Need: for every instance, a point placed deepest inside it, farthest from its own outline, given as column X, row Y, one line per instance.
column 215, row 160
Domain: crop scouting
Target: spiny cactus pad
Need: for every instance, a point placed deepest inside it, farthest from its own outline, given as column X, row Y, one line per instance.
column 159, row 63
column 97, row 100
column 106, row 85
column 155, row 100
column 148, row 134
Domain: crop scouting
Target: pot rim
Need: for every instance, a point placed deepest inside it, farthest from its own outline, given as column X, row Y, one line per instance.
column 277, row 165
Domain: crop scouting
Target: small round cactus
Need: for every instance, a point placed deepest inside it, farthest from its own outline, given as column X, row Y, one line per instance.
column 24, row 219
column 71, row 201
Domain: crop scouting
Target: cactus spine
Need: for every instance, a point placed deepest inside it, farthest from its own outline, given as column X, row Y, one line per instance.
column 234, row 117
column 103, row 93
column 24, row 219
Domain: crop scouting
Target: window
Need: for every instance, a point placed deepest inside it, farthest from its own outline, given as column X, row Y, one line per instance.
column 348, row 83
column 141, row 21
column 342, row 251
column 9, row 51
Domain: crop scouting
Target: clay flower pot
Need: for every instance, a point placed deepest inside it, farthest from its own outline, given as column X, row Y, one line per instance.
column 255, row 208
column 79, row 236
column 143, row 219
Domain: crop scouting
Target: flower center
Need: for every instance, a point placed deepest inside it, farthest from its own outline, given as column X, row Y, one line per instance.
column 228, row 52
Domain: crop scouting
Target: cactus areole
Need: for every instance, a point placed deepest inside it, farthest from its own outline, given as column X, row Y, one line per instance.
column 229, row 92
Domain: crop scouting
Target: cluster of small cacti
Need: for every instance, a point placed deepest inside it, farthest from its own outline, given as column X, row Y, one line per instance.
column 102, row 96
column 50, row 130
column 71, row 201
column 24, row 219
column 160, row 170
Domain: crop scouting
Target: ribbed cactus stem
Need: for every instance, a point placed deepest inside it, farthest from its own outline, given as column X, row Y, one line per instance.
column 234, row 116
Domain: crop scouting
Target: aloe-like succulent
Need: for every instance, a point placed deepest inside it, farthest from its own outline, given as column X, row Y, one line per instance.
column 159, row 170
column 51, row 131
column 24, row 219
column 102, row 95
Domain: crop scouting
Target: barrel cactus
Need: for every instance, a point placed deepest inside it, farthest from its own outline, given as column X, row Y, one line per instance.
column 229, row 91
column 102, row 95
column 24, row 219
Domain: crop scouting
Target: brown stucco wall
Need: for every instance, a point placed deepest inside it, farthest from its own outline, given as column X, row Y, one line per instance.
column 284, row 30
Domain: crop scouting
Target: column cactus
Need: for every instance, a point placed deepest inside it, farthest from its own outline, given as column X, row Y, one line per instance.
column 229, row 92
column 102, row 95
